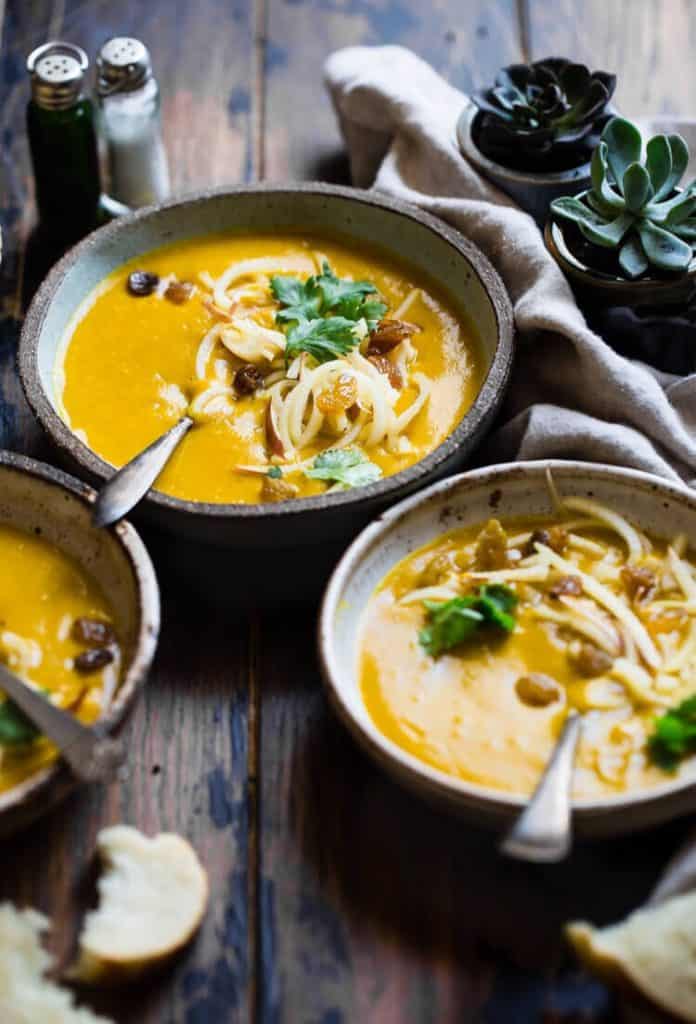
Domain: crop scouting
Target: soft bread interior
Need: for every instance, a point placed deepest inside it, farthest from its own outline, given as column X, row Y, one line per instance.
column 152, row 898
column 654, row 949
column 26, row 996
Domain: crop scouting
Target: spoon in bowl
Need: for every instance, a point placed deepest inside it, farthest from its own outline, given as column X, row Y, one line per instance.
column 92, row 756
column 542, row 833
column 131, row 482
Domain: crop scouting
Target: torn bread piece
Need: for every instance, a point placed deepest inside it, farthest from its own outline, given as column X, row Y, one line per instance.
column 654, row 950
column 152, row 898
column 26, row 996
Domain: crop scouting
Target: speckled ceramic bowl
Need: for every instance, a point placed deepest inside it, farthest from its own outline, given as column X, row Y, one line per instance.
column 509, row 490
column 425, row 243
column 35, row 497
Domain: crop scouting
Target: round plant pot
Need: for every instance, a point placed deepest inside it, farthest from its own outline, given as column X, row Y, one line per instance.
column 652, row 318
column 532, row 190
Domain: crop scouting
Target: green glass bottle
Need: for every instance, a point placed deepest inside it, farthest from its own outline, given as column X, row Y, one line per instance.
column 63, row 144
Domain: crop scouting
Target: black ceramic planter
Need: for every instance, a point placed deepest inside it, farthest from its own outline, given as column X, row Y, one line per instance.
column 652, row 318
column 532, row 190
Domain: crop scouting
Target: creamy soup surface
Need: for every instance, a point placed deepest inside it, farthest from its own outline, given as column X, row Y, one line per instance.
column 56, row 632
column 600, row 619
column 228, row 333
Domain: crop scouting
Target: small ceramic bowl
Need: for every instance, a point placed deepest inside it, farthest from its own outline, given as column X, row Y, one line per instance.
column 35, row 497
column 516, row 489
column 599, row 288
column 426, row 244
column 532, row 190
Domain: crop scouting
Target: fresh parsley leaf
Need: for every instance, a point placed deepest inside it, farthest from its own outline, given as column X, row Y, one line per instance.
column 449, row 623
column 16, row 729
column 675, row 736
column 325, row 296
column 346, row 298
column 324, row 338
column 497, row 603
column 275, row 472
column 301, row 300
column 348, row 467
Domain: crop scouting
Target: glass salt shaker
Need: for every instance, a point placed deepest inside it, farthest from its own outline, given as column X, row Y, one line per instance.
column 129, row 104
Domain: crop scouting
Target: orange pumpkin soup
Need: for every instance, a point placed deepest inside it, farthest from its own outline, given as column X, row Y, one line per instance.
column 306, row 365
column 475, row 647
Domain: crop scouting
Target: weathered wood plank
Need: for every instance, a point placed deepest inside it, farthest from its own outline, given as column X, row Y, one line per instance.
column 188, row 769
column 467, row 42
column 648, row 45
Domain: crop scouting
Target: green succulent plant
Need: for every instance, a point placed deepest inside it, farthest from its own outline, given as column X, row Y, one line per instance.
column 635, row 205
column 544, row 114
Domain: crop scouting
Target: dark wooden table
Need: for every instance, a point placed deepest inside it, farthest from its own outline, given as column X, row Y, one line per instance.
column 336, row 897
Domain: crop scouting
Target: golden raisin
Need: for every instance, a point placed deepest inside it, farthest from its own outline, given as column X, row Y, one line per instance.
column 93, row 632
column 537, row 690
column 491, row 547
column 274, row 489
column 639, row 582
column 388, row 368
column 589, row 660
column 556, row 538
column 179, row 292
column 339, row 396
column 388, row 334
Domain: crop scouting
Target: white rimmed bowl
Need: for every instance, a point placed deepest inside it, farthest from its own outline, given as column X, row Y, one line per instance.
column 515, row 489
column 429, row 246
column 36, row 498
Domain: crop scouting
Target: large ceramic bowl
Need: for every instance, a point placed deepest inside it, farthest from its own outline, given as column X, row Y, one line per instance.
column 428, row 245
column 510, row 490
column 36, row 497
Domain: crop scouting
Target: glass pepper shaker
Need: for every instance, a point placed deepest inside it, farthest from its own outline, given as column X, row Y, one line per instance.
column 129, row 104
column 62, row 140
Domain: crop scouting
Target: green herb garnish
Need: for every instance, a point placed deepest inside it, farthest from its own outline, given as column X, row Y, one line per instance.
column 324, row 339
column 346, row 467
column 449, row 623
column 16, row 729
column 675, row 736
column 320, row 314
column 275, row 472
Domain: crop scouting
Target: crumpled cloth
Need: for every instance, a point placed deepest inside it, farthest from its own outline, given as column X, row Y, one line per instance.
column 571, row 395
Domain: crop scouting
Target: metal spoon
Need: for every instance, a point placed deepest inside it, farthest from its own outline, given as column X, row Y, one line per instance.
column 92, row 756
column 542, row 833
column 131, row 482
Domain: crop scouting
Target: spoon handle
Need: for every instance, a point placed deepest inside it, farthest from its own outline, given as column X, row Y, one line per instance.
column 542, row 833
column 91, row 756
column 131, row 482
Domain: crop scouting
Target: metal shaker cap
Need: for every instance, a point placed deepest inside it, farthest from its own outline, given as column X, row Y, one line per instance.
column 57, row 72
column 123, row 65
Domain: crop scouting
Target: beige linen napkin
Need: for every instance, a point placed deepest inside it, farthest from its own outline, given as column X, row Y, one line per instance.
column 572, row 396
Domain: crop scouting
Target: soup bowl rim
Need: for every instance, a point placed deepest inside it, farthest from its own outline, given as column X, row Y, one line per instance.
column 471, row 423
column 417, row 774
column 48, row 784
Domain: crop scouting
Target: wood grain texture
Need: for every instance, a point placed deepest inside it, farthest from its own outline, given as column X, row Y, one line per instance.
column 649, row 45
column 466, row 42
column 337, row 898
column 188, row 737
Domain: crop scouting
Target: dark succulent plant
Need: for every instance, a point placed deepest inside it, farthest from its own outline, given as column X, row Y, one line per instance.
column 635, row 207
column 545, row 116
